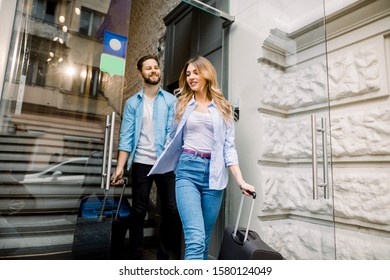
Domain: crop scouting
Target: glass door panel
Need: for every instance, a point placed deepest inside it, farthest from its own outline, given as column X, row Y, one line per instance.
column 297, row 208
column 56, row 106
column 358, row 47
column 219, row 8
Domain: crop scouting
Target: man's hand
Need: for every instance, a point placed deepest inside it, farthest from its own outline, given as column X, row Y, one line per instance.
column 116, row 178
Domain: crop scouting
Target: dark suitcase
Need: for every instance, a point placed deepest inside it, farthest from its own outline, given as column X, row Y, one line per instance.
column 101, row 226
column 240, row 243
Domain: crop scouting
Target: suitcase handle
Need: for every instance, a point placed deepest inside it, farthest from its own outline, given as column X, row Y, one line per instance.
column 120, row 199
column 125, row 180
column 239, row 216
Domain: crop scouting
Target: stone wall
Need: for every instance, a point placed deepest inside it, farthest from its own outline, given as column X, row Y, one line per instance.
column 146, row 34
column 290, row 76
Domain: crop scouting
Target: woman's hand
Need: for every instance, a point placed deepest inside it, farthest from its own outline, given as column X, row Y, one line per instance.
column 247, row 189
column 244, row 186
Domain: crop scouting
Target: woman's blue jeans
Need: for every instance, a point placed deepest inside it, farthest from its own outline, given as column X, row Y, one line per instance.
column 198, row 205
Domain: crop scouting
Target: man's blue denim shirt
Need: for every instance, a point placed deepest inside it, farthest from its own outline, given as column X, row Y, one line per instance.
column 163, row 111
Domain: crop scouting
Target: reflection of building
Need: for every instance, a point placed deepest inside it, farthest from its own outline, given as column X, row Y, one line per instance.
column 58, row 74
column 279, row 62
column 64, row 56
column 53, row 103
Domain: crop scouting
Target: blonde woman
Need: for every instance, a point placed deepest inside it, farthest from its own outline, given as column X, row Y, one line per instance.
column 200, row 149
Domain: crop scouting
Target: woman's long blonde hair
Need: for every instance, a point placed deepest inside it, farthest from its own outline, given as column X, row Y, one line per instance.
column 207, row 71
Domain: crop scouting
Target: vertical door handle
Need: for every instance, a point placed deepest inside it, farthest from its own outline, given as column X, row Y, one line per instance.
column 314, row 156
column 107, row 159
column 107, row 151
column 325, row 182
column 111, row 145
column 105, row 147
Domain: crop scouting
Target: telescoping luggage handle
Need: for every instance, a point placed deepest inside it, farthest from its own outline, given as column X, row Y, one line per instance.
column 239, row 215
column 101, row 216
column 120, row 198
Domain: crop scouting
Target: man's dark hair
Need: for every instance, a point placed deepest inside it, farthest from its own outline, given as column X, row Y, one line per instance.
column 146, row 57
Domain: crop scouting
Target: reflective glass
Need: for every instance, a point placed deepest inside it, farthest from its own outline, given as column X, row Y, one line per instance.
column 285, row 59
column 219, row 8
column 54, row 105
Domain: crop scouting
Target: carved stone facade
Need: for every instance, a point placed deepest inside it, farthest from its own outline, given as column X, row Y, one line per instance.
column 339, row 71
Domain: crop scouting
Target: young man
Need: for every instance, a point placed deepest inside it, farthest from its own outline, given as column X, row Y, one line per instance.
column 145, row 127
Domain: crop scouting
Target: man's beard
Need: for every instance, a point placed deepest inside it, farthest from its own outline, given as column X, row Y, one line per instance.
column 150, row 81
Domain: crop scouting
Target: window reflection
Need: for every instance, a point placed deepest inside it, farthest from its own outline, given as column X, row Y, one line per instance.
column 53, row 105
column 50, row 10
column 90, row 21
column 57, row 59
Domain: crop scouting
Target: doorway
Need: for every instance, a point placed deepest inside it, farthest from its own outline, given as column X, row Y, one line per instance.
column 185, row 39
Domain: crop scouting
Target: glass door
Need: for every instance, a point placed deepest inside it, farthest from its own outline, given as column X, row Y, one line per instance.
column 358, row 62
column 60, row 107
column 297, row 208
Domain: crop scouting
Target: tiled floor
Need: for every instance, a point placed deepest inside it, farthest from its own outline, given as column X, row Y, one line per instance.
column 59, row 239
column 150, row 250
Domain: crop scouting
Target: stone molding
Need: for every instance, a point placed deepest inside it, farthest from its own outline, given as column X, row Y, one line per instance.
column 354, row 74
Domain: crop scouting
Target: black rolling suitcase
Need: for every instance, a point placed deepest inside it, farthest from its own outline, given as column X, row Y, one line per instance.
column 101, row 226
column 240, row 243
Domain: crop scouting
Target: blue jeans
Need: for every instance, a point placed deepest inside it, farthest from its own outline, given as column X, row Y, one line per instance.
column 198, row 205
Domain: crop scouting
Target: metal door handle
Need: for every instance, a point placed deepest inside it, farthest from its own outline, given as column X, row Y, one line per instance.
column 106, row 135
column 107, row 159
column 111, row 144
column 314, row 156
column 107, row 151
column 325, row 183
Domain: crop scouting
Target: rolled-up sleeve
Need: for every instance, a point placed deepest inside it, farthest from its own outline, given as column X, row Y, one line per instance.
column 224, row 152
column 127, row 129
column 170, row 121
column 229, row 147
